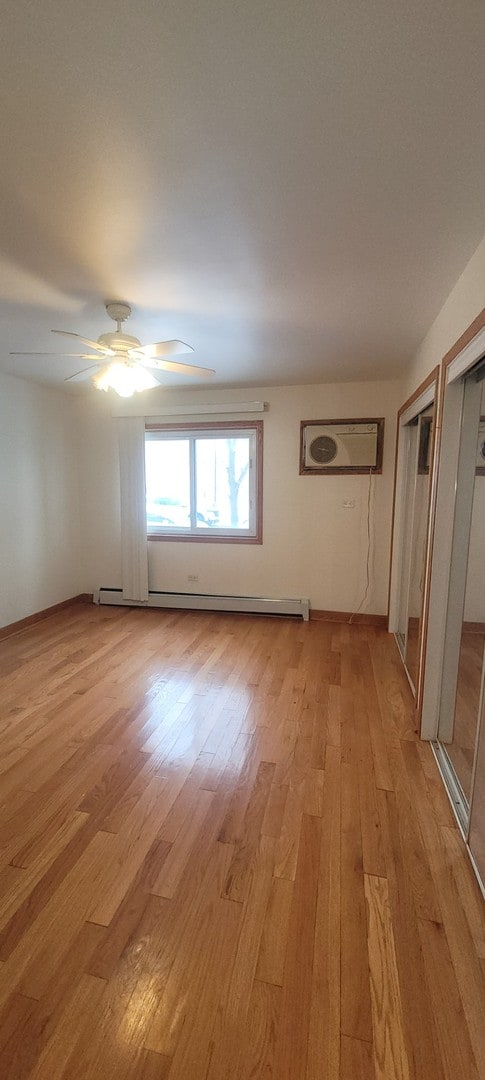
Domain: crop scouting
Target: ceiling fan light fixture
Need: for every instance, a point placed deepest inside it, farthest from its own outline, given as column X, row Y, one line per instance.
column 124, row 378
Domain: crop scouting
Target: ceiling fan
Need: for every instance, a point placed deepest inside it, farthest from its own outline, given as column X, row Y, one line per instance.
column 121, row 361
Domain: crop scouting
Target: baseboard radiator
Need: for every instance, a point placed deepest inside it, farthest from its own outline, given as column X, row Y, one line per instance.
column 259, row 605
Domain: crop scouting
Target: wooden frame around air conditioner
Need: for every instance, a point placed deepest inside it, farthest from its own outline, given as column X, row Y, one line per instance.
column 342, row 470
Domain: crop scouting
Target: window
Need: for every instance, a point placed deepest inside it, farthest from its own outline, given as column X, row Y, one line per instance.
column 204, row 482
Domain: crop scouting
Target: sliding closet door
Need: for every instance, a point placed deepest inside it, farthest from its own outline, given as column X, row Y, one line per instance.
column 409, row 435
column 417, row 441
column 476, row 839
column 419, row 533
column 465, row 631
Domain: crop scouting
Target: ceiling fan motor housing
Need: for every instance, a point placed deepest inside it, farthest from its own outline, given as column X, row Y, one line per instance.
column 119, row 342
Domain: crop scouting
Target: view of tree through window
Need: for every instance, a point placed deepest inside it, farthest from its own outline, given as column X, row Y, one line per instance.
column 201, row 482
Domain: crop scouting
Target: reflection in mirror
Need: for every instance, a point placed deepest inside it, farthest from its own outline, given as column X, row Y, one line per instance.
column 409, row 434
column 418, row 542
column 418, row 435
column 461, row 748
column 477, row 822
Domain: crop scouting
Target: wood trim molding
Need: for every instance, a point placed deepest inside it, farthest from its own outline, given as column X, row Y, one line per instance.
column 467, row 336
column 432, row 377
column 427, row 382
column 362, row 619
column 39, row 616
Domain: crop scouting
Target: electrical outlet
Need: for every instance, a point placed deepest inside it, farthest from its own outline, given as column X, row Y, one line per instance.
column 192, row 577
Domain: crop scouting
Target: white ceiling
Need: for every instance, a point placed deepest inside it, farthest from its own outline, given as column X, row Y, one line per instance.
column 293, row 188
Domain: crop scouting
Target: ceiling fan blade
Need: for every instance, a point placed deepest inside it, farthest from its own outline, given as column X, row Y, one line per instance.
column 86, row 341
column 181, row 369
column 85, row 373
column 162, row 348
column 78, row 355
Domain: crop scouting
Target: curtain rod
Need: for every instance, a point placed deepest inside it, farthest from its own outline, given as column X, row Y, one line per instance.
column 206, row 408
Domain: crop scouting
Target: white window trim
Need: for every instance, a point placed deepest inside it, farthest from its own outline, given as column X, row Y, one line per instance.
column 192, row 433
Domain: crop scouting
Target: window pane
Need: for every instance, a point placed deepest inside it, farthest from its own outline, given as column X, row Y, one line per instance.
column 222, row 483
column 168, row 483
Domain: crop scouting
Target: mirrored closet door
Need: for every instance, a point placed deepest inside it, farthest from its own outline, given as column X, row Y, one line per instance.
column 416, row 439
column 461, row 701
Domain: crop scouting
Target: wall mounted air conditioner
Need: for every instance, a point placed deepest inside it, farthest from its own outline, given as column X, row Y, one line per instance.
column 353, row 446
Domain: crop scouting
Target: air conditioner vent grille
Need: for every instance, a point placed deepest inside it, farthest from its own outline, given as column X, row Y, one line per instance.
column 323, row 449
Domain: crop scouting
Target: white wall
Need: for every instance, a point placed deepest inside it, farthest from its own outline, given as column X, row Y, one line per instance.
column 39, row 505
column 462, row 306
column 312, row 546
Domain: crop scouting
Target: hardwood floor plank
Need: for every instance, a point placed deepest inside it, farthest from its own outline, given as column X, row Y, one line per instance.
column 260, row 1033
column 272, row 952
column 289, row 839
column 32, row 964
column 333, row 716
column 424, row 1058
column 21, row 1053
column 15, row 1017
column 206, row 911
column 468, row 888
column 314, row 793
column 426, row 897
column 356, row 1018
column 232, row 825
column 457, row 1054
column 129, row 849
column 390, row 1058
column 179, row 855
column 75, row 1018
column 122, row 928
column 441, row 803
column 46, row 888
column 228, row 1048
column 293, row 1029
column 324, row 1031
column 357, row 1060
column 204, row 1019
column 113, row 783
column 153, row 1066
column 41, row 862
column 275, row 807
column 465, row 959
column 240, row 870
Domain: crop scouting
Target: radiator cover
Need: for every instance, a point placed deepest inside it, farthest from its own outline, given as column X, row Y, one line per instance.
column 259, row 605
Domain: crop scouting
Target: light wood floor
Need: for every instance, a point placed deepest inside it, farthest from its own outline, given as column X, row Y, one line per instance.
column 226, row 855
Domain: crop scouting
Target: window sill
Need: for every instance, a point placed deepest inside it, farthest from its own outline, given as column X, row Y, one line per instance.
column 183, row 539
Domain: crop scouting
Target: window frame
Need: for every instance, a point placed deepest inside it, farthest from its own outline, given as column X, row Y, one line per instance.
column 254, row 429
